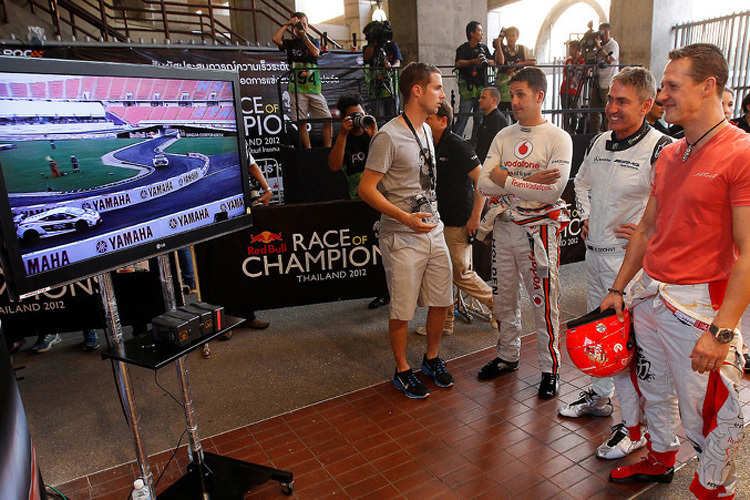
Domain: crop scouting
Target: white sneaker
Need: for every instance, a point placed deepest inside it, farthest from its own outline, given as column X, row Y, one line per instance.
column 420, row 330
column 619, row 444
column 589, row 404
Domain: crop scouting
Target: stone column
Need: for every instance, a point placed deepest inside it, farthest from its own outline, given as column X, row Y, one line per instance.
column 643, row 30
column 430, row 31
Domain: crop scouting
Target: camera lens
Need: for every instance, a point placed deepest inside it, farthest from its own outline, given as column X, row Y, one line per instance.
column 362, row 121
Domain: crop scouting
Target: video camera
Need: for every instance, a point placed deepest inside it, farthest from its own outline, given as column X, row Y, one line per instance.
column 588, row 43
column 377, row 32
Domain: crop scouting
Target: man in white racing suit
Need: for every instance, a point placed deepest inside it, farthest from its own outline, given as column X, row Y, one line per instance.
column 525, row 172
column 612, row 188
column 693, row 243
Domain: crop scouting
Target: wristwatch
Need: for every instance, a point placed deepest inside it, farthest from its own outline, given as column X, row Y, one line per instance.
column 723, row 335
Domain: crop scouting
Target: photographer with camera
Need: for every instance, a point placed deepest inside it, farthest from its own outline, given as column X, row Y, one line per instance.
column 304, row 83
column 353, row 142
column 605, row 53
column 381, row 54
column 570, row 90
column 472, row 59
column 513, row 56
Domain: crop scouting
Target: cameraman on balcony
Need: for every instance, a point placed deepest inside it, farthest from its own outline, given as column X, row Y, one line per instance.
column 472, row 59
column 381, row 55
column 605, row 53
column 304, row 83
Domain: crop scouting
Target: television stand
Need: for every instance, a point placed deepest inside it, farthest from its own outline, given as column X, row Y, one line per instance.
column 209, row 476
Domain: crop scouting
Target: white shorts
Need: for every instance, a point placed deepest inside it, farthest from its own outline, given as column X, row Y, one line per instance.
column 418, row 271
column 309, row 104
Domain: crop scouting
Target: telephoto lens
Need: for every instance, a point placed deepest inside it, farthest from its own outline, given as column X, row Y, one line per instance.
column 362, row 121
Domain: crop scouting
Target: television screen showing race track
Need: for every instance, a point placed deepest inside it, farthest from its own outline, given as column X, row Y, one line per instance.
column 98, row 164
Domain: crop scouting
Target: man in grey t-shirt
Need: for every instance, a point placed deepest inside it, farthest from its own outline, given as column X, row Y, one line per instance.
column 399, row 181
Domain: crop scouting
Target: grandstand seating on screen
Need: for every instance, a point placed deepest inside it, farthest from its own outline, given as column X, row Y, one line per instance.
column 172, row 92
column 210, row 113
column 185, row 114
column 171, row 113
column 55, row 89
column 102, row 85
column 131, row 87
column 145, row 90
column 72, row 88
column 18, row 89
column 4, row 90
column 87, row 86
column 158, row 88
column 201, row 90
column 116, row 89
column 157, row 114
column 226, row 113
column 38, row 90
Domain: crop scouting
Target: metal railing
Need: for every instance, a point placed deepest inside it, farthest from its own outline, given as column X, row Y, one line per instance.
column 167, row 19
column 732, row 35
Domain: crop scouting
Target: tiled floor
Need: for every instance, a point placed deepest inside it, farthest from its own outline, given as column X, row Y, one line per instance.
column 476, row 440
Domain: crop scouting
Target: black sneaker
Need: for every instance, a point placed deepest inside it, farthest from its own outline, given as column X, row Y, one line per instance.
column 435, row 368
column 747, row 362
column 408, row 382
column 378, row 302
column 495, row 368
column 549, row 385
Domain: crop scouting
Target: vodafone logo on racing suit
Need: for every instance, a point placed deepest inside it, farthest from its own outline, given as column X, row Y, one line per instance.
column 523, row 149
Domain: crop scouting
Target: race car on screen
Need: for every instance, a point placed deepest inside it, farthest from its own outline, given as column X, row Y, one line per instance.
column 160, row 160
column 59, row 220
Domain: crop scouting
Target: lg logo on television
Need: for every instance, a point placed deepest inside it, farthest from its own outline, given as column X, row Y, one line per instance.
column 22, row 53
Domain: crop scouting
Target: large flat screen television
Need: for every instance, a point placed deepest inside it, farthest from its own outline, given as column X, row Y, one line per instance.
column 106, row 164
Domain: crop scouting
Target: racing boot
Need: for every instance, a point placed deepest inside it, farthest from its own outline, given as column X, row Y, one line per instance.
column 656, row 467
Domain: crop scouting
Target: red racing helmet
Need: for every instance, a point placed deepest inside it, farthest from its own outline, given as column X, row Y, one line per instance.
column 598, row 344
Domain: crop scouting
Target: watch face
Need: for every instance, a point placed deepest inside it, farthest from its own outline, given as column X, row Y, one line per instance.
column 725, row 335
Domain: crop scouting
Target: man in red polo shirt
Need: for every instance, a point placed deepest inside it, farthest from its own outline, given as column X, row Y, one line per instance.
column 693, row 243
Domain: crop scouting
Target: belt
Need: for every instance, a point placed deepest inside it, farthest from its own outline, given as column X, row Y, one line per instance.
column 684, row 317
column 604, row 249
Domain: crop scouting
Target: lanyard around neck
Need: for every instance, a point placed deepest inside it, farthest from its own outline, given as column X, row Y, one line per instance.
column 428, row 158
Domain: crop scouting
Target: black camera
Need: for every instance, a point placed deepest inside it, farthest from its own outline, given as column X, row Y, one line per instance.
column 588, row 44
column 299, row 26
column 377, row 32
column 362, row 121
column 483, row 61
column 502, row 33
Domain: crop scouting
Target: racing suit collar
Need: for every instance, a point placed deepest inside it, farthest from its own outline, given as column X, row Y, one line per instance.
column 621, row 145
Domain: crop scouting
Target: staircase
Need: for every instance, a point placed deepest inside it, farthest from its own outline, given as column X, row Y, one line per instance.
column 201, row 21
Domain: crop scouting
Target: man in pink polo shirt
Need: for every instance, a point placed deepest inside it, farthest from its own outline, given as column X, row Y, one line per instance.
column 693, row 243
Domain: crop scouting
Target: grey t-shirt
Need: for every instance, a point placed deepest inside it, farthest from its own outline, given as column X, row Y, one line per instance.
column 395, row 153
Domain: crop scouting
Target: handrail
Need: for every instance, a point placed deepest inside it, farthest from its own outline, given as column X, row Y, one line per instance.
column 168, row 17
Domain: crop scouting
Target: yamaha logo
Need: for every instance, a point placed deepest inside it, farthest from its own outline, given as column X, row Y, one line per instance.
column 144, row 194
column 172, row 223
column 101, row 246
column 223, row 207
column 601, row 327
column 523, row 149
column 86, row 205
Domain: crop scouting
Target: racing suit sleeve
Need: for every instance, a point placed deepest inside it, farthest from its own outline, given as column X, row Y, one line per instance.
column 560, row 157
column 485, row 185
column 582, row 186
